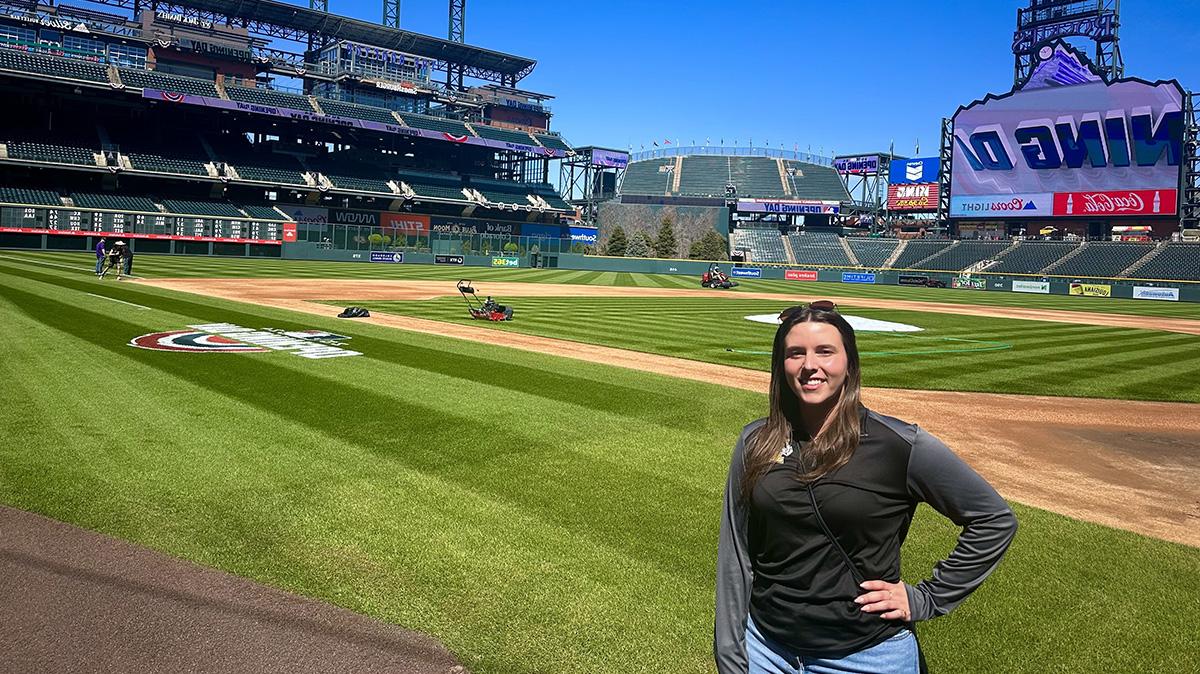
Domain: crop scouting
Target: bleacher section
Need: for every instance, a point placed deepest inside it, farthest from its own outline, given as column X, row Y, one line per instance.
column 278, row 99
column 355, row 111
column 765, row 245
column 755, row 177
column 552, row 142
column 267, row 167
column 435, row 124
column 965, row 254
column 1178, row 261
column 645, row 177
column 219, row 209
column 547, row 192
column 501, row 191
column 1031, row 257
column 180, row 164
column 820, row 248
column 114, row 202
column 23, row 197
column 1104, row 258
column 261, row 212
column 436, row 185
column 149, row 79
column 349, row 173
column 916, row 251
column 503, row 135
column 811, row 181
column 52, row 66
column 704, row 176
column 51, row 152
column 871, row 252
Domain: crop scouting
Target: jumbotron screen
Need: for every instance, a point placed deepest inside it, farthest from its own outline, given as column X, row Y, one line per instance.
column 1069, row 144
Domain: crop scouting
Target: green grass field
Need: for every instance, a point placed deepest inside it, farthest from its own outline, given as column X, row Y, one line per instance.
column 536, row 514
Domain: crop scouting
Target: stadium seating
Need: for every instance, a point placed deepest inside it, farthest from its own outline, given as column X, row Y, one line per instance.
column 434, row 185
column 219, row 209
column 756, row 177
column 150, row 79
column 501, row 191
column 1177, row 261
column 278, row 99
column 504, row 135
column 114, row 202
column 811, row 181
column 349, row 172
column 646, row 178
column 872, row 252
column 546, row 191
column 53, row 66
column 705, row 176
column 1031, row 257
column 1103, row 258
column 819, row 248
column 355, row 111
column 52, row 152
column 965, row 254
column 267, row 167
column 449, row 126
column 261, row 212
column 916, row 251
column 552, row 142
column 23, row 197
column 765, row 244
column 180, row 164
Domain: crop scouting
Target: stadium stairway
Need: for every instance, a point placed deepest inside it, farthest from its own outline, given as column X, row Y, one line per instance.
column 220, row 82
column 114, row 76
column 783, row 179
column 1062, row 260
column 312, row 100
column 787, row 247
column 1145, row 259
column 849, row 252
column 887, row 264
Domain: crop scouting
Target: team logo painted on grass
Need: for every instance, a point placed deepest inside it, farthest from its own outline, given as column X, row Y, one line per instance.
column 230, row 338
column 195, row 342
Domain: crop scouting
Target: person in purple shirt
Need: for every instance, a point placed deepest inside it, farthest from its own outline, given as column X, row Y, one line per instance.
column 99, row 257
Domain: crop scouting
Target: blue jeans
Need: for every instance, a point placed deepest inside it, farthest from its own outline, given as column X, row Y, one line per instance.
column 99, row 265
column 897, row 655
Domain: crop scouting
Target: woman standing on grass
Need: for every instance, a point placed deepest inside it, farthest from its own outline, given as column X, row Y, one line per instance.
column 819, row 499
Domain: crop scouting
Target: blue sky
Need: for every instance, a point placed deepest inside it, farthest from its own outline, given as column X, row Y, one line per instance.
column 836, row 76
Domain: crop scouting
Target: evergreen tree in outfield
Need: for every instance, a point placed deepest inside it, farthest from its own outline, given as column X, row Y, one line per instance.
column 666, row 245
column 616, row 243
column 639, row 245
column 709, row 247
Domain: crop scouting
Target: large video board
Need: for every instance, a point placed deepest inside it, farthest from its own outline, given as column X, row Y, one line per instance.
column 1068, row 143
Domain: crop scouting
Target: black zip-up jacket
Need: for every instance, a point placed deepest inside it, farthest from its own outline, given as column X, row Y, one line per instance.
column 775, row 563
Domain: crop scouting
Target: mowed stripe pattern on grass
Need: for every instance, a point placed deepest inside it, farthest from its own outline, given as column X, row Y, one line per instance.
column 536, row 514
column 952, row 353
column 166, row 266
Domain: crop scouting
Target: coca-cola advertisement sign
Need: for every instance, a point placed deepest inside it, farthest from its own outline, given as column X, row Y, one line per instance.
column 1115, row 203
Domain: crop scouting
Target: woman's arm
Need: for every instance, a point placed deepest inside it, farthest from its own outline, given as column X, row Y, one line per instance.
column 733, row 573
column 937, row 476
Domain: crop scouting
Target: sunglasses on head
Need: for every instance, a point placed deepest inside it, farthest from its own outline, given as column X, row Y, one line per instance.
column 818, row 305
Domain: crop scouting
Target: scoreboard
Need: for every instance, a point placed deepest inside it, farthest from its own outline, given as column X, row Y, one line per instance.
column 32, row 220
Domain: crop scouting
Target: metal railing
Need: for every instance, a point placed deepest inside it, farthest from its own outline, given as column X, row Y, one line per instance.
column 731, row 151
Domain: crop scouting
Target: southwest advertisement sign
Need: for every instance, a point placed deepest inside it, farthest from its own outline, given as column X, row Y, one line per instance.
column 857, row 165
column 913, row 171
column 912, row 197
column 788, row 207
column 506, row 262
column 1040, row 287
column 745, row 272
column 584, row 235
column 1151, row 293
column 857, row 277
column 1090, row 290
column 800, row 275
column 1068, row 132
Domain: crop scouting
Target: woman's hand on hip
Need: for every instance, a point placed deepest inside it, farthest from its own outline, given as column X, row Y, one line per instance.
column 890, row 600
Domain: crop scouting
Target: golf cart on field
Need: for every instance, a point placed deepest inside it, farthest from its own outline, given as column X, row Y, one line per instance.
column 715, row 278
column 487, row 310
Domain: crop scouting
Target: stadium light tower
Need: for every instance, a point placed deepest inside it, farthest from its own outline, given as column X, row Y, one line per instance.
column 457, row 33
column 391, row 13
column 1046, row 20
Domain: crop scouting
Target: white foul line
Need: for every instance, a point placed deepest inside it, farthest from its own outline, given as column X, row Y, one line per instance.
column 76, row 267
column 113, row 299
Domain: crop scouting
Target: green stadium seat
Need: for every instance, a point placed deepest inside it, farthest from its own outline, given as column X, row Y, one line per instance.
column 503, row 135
column 114, row 202
column 150, row 79
column 872, row 252
column 53, row 66
column 52, row 152
column 217, row 209
column 269, row 97
column 23, row 197
column 449, row 126
column 356, row 111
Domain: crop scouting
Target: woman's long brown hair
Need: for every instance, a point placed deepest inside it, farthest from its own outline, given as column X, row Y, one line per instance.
column 837, row 439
